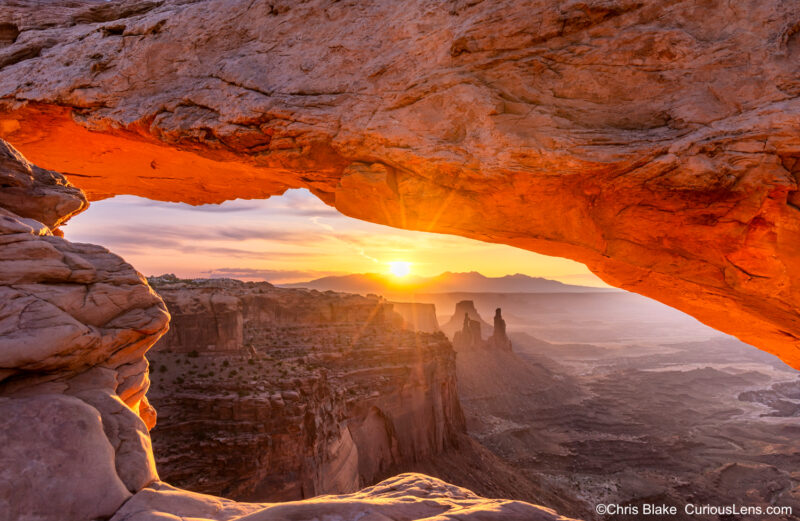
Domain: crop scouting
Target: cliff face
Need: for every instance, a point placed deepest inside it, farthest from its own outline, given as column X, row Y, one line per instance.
column 655, row 141
column 314, row 393
column 204, row 320
column 75, row 323
column 417, row 316
column 220, row 316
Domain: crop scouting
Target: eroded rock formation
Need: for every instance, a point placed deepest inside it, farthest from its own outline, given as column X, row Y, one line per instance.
column 456, row 322
column 417, row 316
column 75, row 322
column 655, row 141
column 470, row 336
column 499, row 338
column 323, row 393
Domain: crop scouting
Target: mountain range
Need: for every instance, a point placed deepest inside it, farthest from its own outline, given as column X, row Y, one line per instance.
column 447, row 282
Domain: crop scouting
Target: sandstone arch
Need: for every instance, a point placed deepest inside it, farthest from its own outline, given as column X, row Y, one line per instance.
column 656, row 142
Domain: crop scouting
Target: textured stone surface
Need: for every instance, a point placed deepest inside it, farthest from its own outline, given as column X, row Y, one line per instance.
column 655, row 141
column 55, row 461
column 406, row 497
column 322, row 393
column 75, row 322
column 35, row 193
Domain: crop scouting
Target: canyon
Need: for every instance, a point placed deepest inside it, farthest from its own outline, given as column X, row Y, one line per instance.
column 75, row 324
column 634, row 416
column 273, row 394
column 662, row 134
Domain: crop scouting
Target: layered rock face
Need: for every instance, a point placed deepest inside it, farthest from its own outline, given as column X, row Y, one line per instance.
column 655, row 141
column 317, row 392
column 75, row 322
column 202, row 320
column 417, row 316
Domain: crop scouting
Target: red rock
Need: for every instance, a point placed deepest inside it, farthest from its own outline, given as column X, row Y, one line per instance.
column 289, row 420
column 456, row 322
column 407, row 496
column 656, row 142
column 417, row 316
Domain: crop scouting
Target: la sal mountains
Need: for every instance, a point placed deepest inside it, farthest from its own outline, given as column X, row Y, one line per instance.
column 447, row 282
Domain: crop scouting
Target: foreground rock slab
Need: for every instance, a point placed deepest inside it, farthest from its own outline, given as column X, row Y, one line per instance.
column 406, row 497
column 55, row 458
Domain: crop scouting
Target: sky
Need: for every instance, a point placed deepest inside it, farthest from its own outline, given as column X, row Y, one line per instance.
column 291, row 238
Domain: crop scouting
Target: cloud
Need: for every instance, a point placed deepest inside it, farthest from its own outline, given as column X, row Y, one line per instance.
column 248, row 254
column 134, row 242
column 267, row 274
column 326, row 227
column 205, row 208
column 233, row 240
column 176, row 236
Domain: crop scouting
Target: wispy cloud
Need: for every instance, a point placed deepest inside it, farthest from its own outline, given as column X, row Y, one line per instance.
column 228, row 207
column 188, row 238
column 267, row 274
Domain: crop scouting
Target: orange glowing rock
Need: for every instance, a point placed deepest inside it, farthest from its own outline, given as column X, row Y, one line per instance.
column 655, row 143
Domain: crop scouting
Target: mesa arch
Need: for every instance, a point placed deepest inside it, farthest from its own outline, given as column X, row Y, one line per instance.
column 656, row 142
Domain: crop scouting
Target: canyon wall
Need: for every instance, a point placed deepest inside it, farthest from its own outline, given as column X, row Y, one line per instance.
column 75, row 323
column 313, row 393
column 206, row 317
column 654, row 141
column 417, row 316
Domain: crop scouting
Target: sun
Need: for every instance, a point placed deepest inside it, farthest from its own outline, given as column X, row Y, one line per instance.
column 400, row 268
